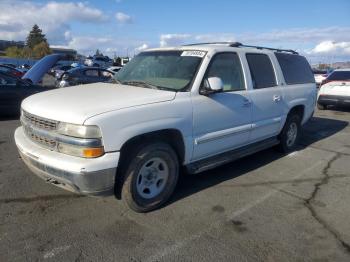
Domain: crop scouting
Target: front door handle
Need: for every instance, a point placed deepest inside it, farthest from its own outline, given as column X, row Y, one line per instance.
column 246, row 102
column 276, row 98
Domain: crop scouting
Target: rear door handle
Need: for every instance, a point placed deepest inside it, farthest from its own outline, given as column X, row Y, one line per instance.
column 276, row 98
column 246, row 102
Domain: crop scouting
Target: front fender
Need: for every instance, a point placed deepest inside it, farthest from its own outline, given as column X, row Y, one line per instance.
column 122, row 125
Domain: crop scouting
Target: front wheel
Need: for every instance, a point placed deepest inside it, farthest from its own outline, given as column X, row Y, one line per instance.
column 289, row 136
column 150, row 177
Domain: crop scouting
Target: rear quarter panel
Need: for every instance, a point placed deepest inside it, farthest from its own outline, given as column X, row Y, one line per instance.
column 300, row 94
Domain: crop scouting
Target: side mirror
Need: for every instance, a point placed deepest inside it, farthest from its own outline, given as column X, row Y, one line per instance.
column 212, row 85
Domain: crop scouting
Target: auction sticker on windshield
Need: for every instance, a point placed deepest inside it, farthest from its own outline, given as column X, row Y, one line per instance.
column 193, row 53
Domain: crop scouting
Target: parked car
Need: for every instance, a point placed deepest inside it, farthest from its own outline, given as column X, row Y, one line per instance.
column 196, row 106
column 13, row 89
column 320, row 75
column 23, row 68
column 11, row 71
column 61, row 70
column 114, row 69
column 335, row 89
column 98, row 61
column 84, row 75
column 10, row 65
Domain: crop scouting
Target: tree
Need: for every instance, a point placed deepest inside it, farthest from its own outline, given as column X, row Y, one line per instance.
column 35, row 37
column 13, row 51
column 98, row 53
column 42, row 49
column 27, row 52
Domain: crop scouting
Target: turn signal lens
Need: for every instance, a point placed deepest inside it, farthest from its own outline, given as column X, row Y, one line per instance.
column 85, row 152
column 93, row 152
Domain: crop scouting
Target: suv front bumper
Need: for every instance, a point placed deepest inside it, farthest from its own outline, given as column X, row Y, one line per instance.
column 94, row 176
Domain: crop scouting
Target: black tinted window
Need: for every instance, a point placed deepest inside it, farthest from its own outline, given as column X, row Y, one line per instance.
column 261, row 70
column 6, row 80
column 339, row 75
column 227, row 67
column 91, row 72
column 295, row 69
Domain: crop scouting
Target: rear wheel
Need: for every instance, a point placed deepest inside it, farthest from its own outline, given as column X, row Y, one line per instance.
column 150, row 177
column 289, row 136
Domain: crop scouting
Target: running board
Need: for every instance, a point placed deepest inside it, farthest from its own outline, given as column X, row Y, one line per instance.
column 223, row 158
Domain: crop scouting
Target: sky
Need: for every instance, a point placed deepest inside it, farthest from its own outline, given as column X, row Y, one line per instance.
column 318, row 29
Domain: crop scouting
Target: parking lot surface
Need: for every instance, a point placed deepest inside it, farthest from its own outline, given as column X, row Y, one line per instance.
column 265, row 207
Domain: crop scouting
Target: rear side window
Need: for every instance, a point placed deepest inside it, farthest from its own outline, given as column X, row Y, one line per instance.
column 261, row 70
column 295, row 69
column 339, row 75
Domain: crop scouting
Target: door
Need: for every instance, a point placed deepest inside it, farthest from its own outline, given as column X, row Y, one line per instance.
column 266, row 97
column 222, row 121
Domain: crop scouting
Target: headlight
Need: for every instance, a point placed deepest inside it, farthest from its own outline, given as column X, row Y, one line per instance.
column 86, row 152
column 79, row 130
column 79, row 140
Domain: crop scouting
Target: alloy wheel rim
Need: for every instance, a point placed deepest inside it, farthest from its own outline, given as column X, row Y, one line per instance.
column 152, row 178
column 292, row 134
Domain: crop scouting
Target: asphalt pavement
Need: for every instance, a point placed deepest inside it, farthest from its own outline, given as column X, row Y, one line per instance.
column 265, row 207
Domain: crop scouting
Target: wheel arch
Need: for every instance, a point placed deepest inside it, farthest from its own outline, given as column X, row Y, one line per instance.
column 171, row 136
column 298, row 109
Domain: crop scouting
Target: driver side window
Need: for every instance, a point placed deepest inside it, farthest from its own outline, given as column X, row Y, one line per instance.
column 227, row 67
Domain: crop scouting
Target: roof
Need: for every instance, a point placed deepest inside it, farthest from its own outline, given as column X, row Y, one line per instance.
column 227, row 45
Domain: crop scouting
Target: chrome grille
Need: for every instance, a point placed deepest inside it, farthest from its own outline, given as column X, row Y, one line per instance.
column 39, row 122
column 33, row 125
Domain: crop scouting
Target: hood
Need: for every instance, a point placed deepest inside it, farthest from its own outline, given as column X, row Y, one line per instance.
column 41, row 67
column 76, row 104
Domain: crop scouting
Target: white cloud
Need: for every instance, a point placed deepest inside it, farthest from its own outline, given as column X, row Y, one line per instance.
column 224, row 37
column 123, row 18
column 173, row 39
column 331, row 48
column 17, row 18
column 141, row 48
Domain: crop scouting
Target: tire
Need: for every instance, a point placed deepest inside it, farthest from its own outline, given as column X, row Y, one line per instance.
column 150, row 177
column 290, row 134
column 321, row 107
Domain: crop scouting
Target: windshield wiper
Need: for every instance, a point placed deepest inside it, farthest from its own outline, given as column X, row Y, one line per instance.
column 140, row 83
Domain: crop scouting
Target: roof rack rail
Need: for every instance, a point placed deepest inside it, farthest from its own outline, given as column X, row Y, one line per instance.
column 238, row 44
column 271, row 48
column 232, row 44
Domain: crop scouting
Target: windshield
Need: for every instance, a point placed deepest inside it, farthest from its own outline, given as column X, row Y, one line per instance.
column 168, row 70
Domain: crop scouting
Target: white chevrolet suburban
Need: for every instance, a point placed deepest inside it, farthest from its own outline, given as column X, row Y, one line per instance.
column 195, row 106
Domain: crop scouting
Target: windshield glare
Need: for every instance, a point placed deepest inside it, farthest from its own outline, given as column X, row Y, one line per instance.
column 170, row 70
